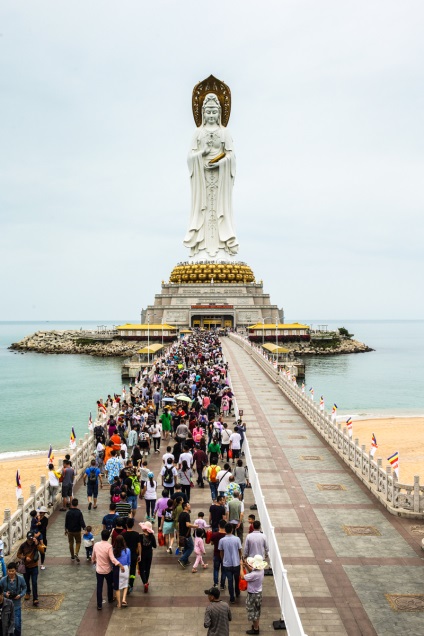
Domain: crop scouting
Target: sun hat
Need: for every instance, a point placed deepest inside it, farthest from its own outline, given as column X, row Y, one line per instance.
column 43, row 509
column 150, row 475
column 213, row 591
column 257, row 562
column 146, row 526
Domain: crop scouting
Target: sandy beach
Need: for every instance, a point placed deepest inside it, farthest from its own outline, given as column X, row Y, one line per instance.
column 402, row 434
column 30, row 468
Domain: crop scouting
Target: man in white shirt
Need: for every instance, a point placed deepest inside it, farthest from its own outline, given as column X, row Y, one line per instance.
column 235, row 443
column 222, row 479
column 187, row 456
column 167, row 455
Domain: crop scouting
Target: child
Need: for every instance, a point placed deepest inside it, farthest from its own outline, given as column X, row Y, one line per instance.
column 201, row 523
column 251, row 519
column 88, row 540
column 199, row 549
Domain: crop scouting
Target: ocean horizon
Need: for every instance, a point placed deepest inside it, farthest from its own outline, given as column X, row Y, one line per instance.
column 45, row 395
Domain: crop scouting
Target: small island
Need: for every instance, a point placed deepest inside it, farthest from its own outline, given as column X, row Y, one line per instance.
column 110, row 344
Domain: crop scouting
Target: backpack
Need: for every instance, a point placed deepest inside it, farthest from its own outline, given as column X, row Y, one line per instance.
column 213, row 474
column 169, row 475
column 135, row 485
column 92, row 476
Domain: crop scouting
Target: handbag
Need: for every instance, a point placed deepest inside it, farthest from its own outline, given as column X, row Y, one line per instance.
column 208, row 536
column 21, row 569
column 230, row 453
column 243, row 583
column 161, row 538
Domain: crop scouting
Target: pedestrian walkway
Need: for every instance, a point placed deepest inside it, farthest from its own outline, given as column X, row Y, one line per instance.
column 174, row 605
column 353, row 568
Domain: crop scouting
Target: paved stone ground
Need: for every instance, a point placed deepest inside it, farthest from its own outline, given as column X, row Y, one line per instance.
column 175, row 602
column 339, row 580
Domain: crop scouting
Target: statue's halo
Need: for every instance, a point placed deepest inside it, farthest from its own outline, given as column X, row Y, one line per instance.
column 221, row 90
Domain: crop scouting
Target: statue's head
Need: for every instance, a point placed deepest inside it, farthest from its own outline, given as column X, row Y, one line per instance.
column 211, row 109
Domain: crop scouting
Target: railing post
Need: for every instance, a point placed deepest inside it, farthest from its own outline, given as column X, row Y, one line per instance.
column 417, row 493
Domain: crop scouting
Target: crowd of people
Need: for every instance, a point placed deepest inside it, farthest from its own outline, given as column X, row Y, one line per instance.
column 183, row 412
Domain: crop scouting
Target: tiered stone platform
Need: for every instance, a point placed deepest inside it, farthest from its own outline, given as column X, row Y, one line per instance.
column 212, row 294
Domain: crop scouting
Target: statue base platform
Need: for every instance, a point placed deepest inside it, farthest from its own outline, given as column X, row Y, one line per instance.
column 212, row 295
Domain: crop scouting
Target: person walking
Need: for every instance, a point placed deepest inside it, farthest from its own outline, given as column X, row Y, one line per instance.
column 103, row 558
column 67, row 479
column 14, row 588
column 74, row 523
column 240, row 476
column 132, row 539
column 230, row 551
column 166, row 525
column 184, row 533
column 121, row 576
column 212, row 476
column 256, row 542
column 217, row 614
column 185, row 475
column 92, row 477
column 254, row 577
column 28, row 555
column 112, row 466
column 200, row 460
column 150, row 496
column 169, row 473
column 217, row 561
column 53, row 485
column 148, row 544
column 199, row 550
column 7, row 615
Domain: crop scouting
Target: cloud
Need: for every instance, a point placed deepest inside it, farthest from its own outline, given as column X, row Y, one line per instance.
column 96, row 124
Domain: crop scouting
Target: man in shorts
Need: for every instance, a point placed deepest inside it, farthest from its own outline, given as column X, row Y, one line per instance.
column 68, row 477
column 255, row 575
column 92, row 476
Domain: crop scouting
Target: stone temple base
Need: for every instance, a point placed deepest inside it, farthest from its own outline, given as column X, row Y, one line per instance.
column 212, row 295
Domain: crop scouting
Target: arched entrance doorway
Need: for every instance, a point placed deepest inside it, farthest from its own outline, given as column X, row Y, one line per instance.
column 212, row 321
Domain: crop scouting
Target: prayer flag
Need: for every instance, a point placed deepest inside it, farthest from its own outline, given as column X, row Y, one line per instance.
column 394, row 463
column 374, row 445
column 311, row 392
column 18, row 485
column 50, row 456
column 73, row 439
column 321, row 403
column 303, row 387
column 349, row 425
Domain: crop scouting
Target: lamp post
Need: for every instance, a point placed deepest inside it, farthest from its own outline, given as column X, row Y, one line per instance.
column 276, row 341
column 148, row 341
column 263, row 328
column 162, row 331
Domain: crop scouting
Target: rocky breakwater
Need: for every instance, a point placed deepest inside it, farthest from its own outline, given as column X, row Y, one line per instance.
column 72, row 342
column 331, row 346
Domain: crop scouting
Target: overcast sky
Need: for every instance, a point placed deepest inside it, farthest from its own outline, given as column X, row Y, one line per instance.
column 96, row 122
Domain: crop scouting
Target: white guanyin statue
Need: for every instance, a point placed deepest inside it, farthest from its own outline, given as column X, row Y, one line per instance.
column 212, row 167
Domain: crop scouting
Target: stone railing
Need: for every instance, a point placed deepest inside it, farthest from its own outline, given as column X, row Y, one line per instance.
column 405, row 500
column 15, row 525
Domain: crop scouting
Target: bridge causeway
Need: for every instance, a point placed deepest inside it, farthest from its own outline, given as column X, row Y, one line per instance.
column 353, row 567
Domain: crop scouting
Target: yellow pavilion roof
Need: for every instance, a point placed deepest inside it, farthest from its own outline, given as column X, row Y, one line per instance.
column 145, row 327
column 272, row 348
column 293, row 325
column 153, row 348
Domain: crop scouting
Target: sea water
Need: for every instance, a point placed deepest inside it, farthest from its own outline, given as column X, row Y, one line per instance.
column 44, row 396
